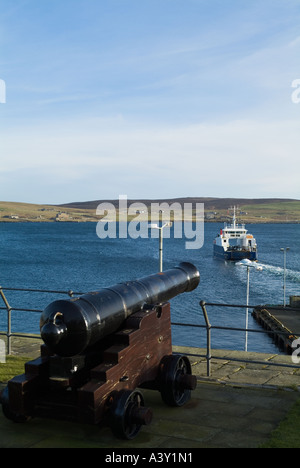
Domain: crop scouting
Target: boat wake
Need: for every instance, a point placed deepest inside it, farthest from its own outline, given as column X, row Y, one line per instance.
column 291, row 275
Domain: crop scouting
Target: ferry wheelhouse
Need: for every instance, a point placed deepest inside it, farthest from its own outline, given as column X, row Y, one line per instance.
column 233, row 243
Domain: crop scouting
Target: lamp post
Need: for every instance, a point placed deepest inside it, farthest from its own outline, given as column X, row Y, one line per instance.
column 247, row 309
column 160, row 228
column 247, row 263
column 284, row 250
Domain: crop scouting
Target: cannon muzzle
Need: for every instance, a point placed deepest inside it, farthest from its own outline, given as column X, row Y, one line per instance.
column 69, row 327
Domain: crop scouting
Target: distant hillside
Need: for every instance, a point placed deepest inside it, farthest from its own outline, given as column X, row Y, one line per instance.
column 249, row 210
column 209, row 203
column 256, row 210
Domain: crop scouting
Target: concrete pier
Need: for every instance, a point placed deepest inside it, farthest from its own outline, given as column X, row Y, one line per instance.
column 283, row 322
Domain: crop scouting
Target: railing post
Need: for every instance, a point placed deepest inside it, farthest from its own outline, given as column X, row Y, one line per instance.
column 9, row 309
column 208, row 340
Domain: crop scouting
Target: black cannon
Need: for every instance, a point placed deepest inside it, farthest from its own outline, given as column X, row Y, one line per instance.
column 70, row 327
column 99, row 348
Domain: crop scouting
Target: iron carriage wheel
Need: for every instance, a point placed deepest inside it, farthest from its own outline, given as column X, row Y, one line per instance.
column 128, row 414
column 176, row 380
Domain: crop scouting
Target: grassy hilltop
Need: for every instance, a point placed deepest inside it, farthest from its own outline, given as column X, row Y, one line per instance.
column 27, row 212
column 216, row 210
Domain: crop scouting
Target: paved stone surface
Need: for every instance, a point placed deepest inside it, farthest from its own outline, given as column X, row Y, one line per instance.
column 217, row 416
column 224, row 370
column 238, row 406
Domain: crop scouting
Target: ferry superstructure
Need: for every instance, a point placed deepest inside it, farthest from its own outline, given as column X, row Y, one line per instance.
column 233, row 243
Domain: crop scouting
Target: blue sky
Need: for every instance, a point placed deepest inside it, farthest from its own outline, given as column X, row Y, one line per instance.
column 149, row 98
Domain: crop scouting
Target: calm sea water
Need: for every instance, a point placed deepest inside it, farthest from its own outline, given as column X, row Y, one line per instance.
column 64, row 256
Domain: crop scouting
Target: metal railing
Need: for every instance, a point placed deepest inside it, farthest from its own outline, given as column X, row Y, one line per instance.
column 9, row 334
column 208, row 326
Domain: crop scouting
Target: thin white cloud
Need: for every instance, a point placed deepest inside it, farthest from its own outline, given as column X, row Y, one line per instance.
column 228, row 156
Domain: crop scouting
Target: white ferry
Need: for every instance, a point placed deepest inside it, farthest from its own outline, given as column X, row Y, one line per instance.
column 233, row 243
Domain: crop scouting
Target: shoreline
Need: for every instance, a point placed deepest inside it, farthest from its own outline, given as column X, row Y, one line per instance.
column 130, row 219
column 269, row 212
column 249, row 223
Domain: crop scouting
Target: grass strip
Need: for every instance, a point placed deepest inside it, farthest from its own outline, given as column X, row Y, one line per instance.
column 14, row 366
column 287, row 434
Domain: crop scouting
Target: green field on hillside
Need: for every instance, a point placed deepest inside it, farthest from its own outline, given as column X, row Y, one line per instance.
column 260, row 211
column 280, row 211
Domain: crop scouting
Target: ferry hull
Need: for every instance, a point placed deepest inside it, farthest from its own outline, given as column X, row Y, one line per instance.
column 234, row 255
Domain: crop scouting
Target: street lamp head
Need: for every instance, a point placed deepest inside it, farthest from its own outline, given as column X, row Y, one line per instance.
column 156, row 226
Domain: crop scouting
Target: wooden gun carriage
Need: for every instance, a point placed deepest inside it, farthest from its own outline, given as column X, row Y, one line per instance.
column 100, row 350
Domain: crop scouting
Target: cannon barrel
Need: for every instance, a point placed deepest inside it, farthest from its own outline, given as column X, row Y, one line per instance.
column 69, row 327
